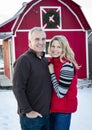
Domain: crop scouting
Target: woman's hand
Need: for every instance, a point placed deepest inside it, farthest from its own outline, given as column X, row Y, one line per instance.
column 51, row 68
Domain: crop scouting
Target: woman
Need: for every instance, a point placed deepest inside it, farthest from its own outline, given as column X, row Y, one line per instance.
column 63, row 69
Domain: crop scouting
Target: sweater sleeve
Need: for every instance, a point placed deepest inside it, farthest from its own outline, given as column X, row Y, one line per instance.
column 20, row 78
column 66, row 76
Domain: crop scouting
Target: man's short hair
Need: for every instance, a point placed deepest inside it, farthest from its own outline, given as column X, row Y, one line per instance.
column 33, row 29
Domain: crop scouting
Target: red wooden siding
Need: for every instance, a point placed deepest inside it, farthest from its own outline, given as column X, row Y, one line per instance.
column 7, row 27
column 21, row 43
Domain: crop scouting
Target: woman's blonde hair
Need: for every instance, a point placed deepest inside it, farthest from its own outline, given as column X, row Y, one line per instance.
column 67, row 51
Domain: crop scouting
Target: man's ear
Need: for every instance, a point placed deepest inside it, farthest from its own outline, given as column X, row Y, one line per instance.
column 29, row 44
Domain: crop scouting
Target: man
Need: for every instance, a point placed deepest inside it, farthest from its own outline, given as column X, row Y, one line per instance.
column 32, row 84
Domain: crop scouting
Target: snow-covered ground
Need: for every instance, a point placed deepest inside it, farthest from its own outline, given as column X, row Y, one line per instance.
column 8, row 107
column 81, row 120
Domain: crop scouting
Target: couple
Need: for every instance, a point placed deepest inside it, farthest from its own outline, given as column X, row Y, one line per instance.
column 33, row 80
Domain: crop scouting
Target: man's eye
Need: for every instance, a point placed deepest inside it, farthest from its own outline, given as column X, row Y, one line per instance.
column 43, row 39
column 37, row 39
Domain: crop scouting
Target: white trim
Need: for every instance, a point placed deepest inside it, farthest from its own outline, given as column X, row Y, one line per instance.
column 72, row 13
column 63, row 30
column 87, row 60
column 13, row 48
column 10, row 57
column 27, row 30
column 48, row 40
column 15, row 23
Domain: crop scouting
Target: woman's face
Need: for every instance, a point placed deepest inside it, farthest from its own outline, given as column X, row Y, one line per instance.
column 55, row 49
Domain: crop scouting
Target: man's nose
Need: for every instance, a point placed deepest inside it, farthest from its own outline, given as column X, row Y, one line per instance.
column 41, row 41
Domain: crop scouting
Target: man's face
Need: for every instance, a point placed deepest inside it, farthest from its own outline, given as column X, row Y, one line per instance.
column 38, row 41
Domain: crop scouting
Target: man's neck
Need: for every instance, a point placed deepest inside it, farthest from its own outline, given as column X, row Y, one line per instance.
column 39, row 54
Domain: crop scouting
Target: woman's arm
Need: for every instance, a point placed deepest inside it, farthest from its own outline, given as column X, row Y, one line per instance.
column 66, row 76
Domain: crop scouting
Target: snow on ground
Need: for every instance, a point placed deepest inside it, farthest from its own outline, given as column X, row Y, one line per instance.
column 8, row 115
column 81, row 120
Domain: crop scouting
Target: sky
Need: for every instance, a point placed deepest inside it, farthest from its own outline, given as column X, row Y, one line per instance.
column 9, row 8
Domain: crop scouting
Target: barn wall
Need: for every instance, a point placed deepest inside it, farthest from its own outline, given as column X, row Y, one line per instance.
column 21, row 43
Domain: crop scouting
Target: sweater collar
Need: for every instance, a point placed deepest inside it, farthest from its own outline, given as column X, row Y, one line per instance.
column 57, row 60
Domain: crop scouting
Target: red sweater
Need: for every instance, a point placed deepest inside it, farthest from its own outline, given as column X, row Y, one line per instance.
column 68, row 103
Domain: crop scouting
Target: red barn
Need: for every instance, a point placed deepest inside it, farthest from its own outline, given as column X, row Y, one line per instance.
column 56, row 17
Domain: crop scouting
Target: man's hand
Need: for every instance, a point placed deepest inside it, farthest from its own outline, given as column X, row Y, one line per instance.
column 33, row 114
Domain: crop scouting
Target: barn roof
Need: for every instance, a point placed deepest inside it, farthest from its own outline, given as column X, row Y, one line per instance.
column 77, row 9
column 10, row 26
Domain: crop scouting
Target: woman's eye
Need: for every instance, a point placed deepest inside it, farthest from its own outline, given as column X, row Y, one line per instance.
column 53, row 46
column 58, row 47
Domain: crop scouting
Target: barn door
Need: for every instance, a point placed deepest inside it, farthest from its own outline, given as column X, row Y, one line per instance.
column 7, row 58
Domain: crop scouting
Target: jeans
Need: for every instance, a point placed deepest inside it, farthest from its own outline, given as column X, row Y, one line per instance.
column 37, row 123
column 60, row 121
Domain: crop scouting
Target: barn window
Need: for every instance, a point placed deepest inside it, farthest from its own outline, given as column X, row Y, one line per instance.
column 50, row 17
